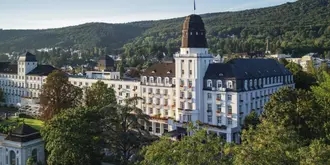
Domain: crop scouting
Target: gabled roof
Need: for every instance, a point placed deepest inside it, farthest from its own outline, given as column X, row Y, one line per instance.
column 23, row 133
column 246, row 69
column 161, row 70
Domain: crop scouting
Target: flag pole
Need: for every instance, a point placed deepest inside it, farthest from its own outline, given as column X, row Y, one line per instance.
column 194, row 6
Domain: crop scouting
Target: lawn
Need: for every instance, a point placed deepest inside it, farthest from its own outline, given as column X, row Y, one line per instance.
column 37, row 124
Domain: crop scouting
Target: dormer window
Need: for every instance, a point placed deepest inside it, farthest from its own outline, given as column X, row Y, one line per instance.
column 267, row 80
column 151, row 80
column 246, row 85
column 173, row 81
column 255, row 82
column 219, row 84
column 144, row 80
column 272, row 80
column 159, row 80
column 209, row 83
column 197, row 33
column 167, row 81
column 153, row 71
column 230, row 84
column 260, row 82
column 251, row 83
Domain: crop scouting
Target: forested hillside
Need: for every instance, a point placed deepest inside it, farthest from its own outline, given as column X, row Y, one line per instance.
column 299, row 27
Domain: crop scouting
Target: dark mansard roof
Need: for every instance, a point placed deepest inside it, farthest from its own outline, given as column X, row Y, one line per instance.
column 246, row 69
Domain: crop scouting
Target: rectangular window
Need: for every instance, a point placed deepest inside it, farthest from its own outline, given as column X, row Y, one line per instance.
column 189, row 118
column 209, row 118
column 182, row 72
column 144, row 90
column 209, row 107
column 209, row 95
column 190, row 83
column 127, row 87
column 165, row 128
column 165, row 91
column 181, row 94
column 229, row 97
column 219, row 97
column 230, row 121
column 219, row 120
column 219, row 107
column 157, row 91
column 157, row 127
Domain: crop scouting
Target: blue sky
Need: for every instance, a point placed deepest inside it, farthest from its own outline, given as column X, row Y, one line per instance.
column 40, row 14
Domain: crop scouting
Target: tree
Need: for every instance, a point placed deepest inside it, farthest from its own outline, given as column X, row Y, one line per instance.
column 200, row 148
column 58, row 94
column 123, row 130
column 99, row 95
column 303, row 80
column 297, row 109
column 269, row 143
column 73, row 137
column 30, row 161
column 251, row 120
column 316, row 153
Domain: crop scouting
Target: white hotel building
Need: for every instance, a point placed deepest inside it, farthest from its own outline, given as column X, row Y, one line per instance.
column 190, row 88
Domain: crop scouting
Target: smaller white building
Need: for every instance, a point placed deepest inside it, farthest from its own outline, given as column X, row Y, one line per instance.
column 22, row 143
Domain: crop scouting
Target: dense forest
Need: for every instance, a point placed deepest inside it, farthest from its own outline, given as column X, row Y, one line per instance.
column 299, row 27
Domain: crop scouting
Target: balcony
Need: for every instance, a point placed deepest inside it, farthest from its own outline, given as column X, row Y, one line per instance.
column 241, row 100
column 218, row 111
column 218, row 99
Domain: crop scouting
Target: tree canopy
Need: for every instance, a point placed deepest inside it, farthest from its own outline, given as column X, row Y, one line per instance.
column 100, row 95
column 73, row 137
column 58, row 94
column 200, row 148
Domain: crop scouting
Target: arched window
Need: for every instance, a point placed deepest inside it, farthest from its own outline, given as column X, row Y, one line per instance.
column 251, row 83
column 34, row 155
column 246, row 85
column 219, row 84
column 259, row 81
column 230, row 84
column 145, row 79
column 167, row 81
column 209, row 83
column 12, row 158
column 272, row 80
column 255, row 82
column 267, row 80
column 159, row 80
column 151, row 80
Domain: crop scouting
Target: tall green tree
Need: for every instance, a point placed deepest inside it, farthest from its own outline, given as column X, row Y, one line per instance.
column 200, row 148
column 269, row 143
column 73, row 137
column 100, row 95
column 58, row 94
column 123, row 130
column 297, row 109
